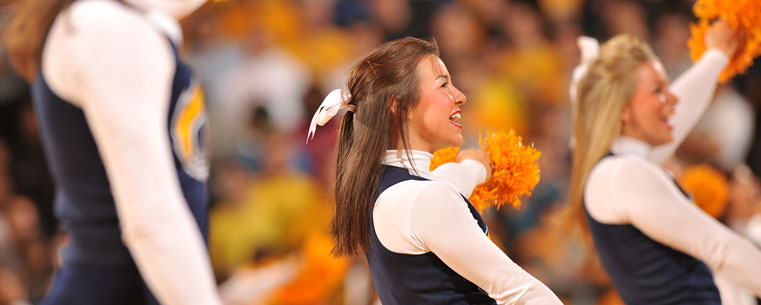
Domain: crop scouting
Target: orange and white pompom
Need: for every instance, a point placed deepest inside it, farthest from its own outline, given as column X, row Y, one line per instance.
column 743, row 15
column 515, row 169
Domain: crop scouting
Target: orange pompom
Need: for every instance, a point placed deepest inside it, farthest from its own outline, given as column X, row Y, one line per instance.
column 742, row 15
column 515, row 170
column 708, row 187
column 444, row 155
column 320, row 277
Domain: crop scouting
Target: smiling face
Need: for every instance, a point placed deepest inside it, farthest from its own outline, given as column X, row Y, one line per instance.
column 433, row 123
column 647, row 114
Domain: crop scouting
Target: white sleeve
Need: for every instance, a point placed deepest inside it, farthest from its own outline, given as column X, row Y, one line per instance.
column 695, row 90
column 665, row 215
column 465, row 175
column 731, row 293
column 122, row 70
column 441, row 220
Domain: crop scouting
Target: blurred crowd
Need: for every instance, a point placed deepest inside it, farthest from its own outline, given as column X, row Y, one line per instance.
column 266, row 65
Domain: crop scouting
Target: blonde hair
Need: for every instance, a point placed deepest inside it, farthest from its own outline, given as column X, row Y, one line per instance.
column 603, row 92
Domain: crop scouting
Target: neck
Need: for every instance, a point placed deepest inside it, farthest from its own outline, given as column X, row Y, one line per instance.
column 410, row 159
column 415, row 145
column 626, row 145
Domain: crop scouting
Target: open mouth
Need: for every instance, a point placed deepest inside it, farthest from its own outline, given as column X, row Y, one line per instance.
column 665, row 120
column 454, row 117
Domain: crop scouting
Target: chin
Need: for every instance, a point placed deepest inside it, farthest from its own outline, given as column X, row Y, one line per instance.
column 457, row 142
column 663, row 141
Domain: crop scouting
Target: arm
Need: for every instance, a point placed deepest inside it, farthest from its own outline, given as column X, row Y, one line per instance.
column 465, row 175
column 121, row 70
column 665, row 215
column 443, row 223
column 695, row 89
column 473, row 167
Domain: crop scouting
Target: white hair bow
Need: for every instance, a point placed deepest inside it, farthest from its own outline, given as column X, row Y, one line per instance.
column 335, row 101
column 590, row 50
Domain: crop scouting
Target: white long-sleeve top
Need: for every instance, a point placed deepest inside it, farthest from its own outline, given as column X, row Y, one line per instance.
column 631, row 188
column 116, row 64
column 416, row 217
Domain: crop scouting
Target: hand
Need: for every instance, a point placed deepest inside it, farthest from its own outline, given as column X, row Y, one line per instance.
column 721, row 36
column 479, row 155
column 745, row 192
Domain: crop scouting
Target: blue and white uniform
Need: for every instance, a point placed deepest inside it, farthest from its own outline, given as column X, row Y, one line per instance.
column 651, row 238
column 123, row 124
column 428, row 246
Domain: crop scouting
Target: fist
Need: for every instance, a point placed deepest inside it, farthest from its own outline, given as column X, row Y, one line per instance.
column 479, row 155
column 721, row 36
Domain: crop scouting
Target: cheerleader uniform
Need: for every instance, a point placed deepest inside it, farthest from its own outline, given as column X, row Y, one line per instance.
column 428, row 245
column 123, row 123
column 652, row 240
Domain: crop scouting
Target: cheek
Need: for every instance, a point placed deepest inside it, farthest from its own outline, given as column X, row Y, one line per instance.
column 650, row 110
column 435, row 107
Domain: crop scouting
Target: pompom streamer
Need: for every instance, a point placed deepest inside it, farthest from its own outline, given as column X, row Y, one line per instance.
column 708, row 187
column 515, row 170
column 742, row 15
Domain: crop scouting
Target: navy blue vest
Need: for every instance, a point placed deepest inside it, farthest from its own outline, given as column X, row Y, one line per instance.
column 417, row 279
column 84, row 202
column 647, row 272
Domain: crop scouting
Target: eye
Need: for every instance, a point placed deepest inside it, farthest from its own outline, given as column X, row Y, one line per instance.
column 661, row 93
column 444, row 85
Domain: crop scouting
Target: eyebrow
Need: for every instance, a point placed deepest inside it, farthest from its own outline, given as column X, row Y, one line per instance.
column 445, row 77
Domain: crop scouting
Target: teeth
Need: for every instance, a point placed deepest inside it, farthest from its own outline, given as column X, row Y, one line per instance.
column 455, row 117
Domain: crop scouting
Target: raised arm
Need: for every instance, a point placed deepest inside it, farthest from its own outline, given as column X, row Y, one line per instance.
column 695, row 87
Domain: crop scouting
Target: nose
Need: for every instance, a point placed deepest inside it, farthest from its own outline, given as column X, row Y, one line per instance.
column 459, row 97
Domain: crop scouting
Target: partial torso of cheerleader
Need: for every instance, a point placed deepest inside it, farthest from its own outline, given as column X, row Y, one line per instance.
column 652, row 240
column 83, row 199
column 123, row 126
column 643, row 270
column 634, row 206
column 422, row 219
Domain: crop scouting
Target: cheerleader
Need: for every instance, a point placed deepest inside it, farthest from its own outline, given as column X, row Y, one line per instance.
column 424, row 242
column 122, row 121
column 652, row 240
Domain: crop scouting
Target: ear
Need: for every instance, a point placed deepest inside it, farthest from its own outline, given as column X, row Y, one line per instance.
column 393, row 104
column 626, row 114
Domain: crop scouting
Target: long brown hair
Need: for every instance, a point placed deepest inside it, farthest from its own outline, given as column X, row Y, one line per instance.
column 603, row 92
column 25, row 32
column 384, row 86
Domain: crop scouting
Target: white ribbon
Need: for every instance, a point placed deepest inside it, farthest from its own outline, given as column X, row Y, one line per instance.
column 590, row 50
column 335, row 101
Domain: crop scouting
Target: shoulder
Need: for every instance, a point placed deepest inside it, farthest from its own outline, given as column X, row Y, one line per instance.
column 615, row 178
column 93, row 38
column 418, row 192
column 106, row 24
column 98, row 27
column 611, row 168
column 106, row 15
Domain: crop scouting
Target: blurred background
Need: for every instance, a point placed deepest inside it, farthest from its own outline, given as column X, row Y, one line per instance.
column 266, row 65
